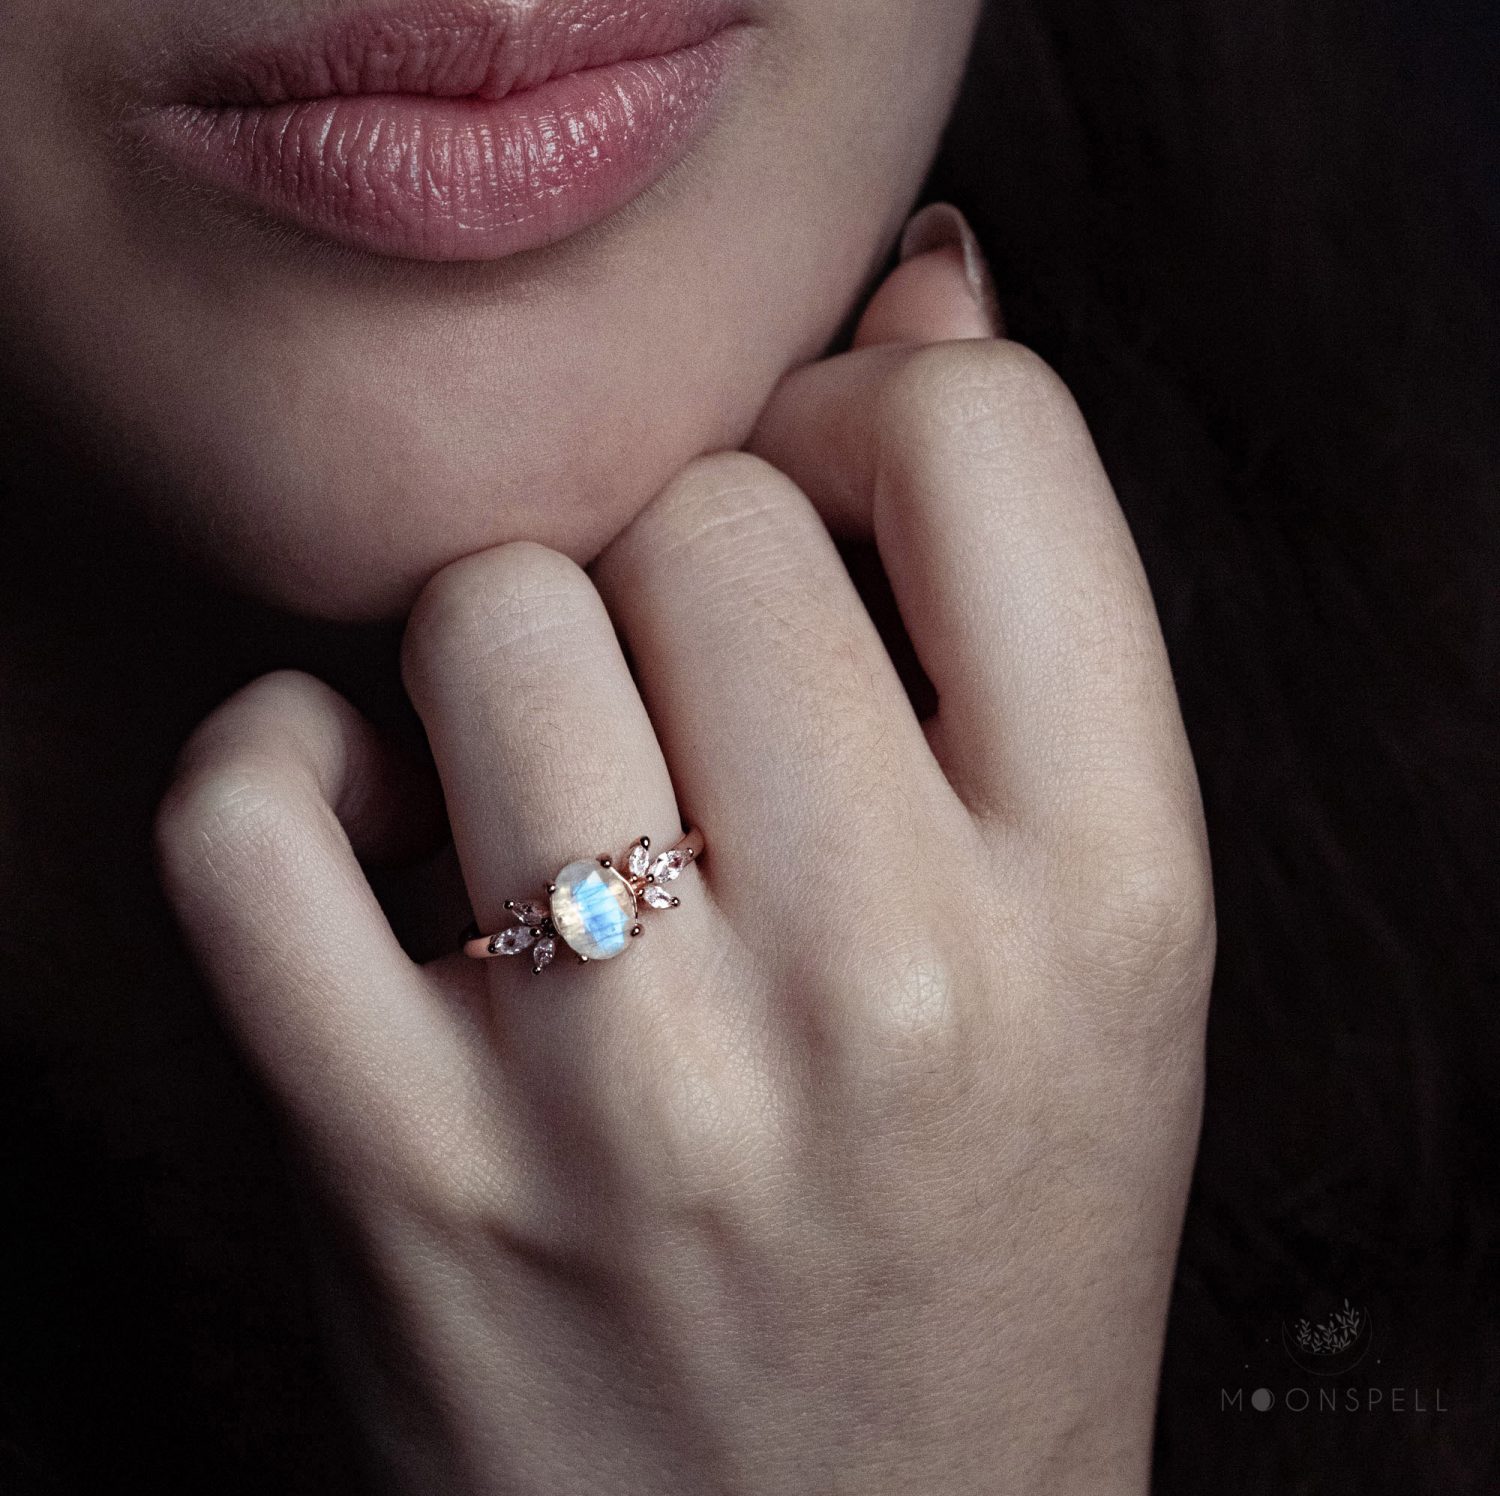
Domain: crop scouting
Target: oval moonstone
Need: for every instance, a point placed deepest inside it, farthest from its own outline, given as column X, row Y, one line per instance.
column 593, row 909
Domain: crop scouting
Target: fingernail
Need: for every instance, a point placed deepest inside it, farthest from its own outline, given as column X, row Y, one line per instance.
column 942, row 226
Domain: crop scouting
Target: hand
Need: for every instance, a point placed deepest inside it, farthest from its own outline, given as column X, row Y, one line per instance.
column 861, row 1172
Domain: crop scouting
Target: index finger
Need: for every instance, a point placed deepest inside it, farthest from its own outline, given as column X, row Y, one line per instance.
column 277, row 796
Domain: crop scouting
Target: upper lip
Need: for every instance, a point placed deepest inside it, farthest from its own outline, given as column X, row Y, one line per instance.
column 451, row 51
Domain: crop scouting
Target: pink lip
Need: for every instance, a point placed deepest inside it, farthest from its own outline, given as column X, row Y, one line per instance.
column 467, row 134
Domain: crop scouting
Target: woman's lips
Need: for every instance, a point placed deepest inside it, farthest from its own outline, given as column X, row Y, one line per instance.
column 457, row 135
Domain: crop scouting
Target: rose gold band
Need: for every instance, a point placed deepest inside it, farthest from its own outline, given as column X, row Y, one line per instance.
column 592, row 907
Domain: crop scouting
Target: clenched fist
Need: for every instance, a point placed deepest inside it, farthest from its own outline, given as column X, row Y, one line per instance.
column 862, row 1171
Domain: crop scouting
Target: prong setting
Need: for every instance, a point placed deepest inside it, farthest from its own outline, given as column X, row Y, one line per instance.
column 591, row 906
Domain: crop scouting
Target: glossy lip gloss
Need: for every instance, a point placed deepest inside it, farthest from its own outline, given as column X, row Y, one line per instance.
column 455, row 134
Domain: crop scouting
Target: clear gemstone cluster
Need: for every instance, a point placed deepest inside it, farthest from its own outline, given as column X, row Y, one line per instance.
column 592, row 907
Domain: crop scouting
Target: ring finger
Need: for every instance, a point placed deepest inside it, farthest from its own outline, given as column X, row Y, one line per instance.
column 541, row 740
column 547, row 757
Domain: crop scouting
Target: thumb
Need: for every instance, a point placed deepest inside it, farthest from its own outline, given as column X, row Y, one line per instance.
column 941, row 291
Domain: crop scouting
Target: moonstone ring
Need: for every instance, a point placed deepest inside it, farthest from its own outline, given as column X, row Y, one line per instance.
column 591, row 906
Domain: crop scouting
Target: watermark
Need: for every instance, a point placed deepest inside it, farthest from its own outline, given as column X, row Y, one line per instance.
column 1332, row 1346
column 1325, row 1399
column 1329, row 1348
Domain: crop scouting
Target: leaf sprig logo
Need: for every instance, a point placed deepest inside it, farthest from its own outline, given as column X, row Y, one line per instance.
column 1331, row 1346
column 1334, row 1336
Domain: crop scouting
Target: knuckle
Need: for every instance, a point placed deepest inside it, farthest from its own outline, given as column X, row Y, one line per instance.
column 735, row 516
column 284, row 692
column 499, row 601
column 1144, row 934
column 1162, row 891
column 912, row 1038
column 970, row 397
column 714, row 506
column 218, row 820
column 719, row 480
column 241, row 781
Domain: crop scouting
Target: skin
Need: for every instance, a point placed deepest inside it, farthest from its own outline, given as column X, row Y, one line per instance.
column 371, row 426
column 863, row 1170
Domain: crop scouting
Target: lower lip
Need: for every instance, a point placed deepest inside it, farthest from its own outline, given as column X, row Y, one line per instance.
column 429, row 178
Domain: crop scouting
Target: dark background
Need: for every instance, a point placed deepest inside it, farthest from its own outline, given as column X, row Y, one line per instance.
column 1258, row 243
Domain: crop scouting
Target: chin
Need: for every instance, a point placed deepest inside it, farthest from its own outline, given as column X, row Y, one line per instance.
column 357, row 547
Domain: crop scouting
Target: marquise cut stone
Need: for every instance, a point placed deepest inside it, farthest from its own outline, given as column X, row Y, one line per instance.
column 669, row 865
column 513, row 941
column 593, row 909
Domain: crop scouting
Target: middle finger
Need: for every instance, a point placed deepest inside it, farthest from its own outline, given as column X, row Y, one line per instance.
column 785, row 721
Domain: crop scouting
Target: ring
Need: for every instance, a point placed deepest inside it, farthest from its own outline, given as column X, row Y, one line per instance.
column 591, row 906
